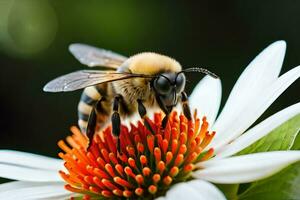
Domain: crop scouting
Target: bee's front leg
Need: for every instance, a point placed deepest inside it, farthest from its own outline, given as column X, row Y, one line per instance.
column 116, row 120
column 143, row 113
column 92, row 122
column 166, row 110
column 185, row 106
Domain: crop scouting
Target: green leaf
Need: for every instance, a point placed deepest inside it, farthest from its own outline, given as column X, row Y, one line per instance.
column 281, row 138
column 283, row 186
column 296, row 145
column 229, row 190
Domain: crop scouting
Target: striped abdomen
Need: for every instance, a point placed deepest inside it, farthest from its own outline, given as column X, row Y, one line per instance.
column 89, row 98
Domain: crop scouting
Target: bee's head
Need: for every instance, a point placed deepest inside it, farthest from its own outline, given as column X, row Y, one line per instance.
column 168, row 87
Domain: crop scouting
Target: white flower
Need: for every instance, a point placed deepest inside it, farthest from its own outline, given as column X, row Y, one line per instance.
column 255, row 90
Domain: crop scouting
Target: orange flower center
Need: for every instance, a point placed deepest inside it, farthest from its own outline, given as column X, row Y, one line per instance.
column 147, row 165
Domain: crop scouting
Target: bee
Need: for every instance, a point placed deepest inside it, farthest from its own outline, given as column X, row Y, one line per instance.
column 123, row 87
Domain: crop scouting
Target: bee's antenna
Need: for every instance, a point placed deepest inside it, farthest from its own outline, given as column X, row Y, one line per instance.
column 201, row 70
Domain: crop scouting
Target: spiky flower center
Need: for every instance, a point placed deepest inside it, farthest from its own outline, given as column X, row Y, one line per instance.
column 147, row 165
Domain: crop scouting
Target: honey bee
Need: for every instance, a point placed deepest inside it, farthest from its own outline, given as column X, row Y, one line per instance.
column 124, row 86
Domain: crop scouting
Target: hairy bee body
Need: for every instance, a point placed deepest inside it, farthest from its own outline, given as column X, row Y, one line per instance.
column 130, row 89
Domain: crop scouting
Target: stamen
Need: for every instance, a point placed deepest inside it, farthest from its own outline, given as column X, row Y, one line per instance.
column 174, row 146
column 118, row 192
column 156, row 178
column 161, row 166
column 174, row 171
column 157, row 154
column 119, row 169
column 143, row 160
column 147, row 165
column 167, row 180
column 139, row 191
column 140, row 147
column 165, row 145
column 150, row 142
column 152, row 189
column 106, row 193
column 122, row 182
column 139, row 179
column 129, row 172
column 127, row 193
column 169, row 157
column 146, row 171
column 110, row 170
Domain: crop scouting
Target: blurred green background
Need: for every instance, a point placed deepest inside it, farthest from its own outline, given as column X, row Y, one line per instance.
column 223, row 36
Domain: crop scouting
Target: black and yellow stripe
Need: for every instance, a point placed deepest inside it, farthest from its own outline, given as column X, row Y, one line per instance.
column 90, row 96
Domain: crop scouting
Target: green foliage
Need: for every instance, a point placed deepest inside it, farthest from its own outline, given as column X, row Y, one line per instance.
column 283, row 186
column 281, row 138
column 296, row 145
column 229, row 190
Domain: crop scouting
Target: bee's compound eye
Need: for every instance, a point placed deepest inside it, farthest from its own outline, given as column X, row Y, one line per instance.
column 180, row 82
column 162, row 85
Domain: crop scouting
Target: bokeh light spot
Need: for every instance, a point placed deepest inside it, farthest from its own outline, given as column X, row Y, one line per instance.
column 30, row 27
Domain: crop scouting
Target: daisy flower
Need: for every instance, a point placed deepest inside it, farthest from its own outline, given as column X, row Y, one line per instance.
column 183, row 161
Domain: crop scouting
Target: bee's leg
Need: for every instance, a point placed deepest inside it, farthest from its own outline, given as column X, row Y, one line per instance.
column 166, row 117
column 164, row 108
column 91, row 126
column 185, row 106
column 143, row 113
column 116, row 120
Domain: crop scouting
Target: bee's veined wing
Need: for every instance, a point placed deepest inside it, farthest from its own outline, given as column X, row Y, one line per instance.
column 92, row 56
column 84, row 78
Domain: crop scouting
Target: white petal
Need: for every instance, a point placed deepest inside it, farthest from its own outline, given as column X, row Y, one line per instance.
column 255, row 108
column 28, row 174
column 245, row 168
column 206, row 98
column 34, row 191
column 195, row 189
column 259, row 74
column 17, row 184
column 259, row 131
column 30, row 160
column 12, row 185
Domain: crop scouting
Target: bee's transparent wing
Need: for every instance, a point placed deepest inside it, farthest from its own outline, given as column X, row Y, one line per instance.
column 92, row 56
column 84, row 78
